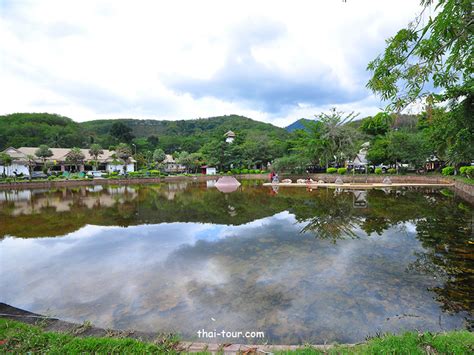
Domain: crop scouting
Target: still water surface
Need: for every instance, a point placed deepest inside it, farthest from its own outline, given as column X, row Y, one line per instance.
column 302, row 266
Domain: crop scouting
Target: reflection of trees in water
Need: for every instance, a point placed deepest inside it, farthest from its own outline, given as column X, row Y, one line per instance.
column 444, row 226
column 447, row 236
column 330, row 216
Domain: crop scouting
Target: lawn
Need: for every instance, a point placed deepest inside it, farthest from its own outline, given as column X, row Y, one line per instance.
column 22, row 338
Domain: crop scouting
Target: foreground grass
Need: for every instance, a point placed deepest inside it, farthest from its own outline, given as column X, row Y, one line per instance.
column 464, row 179
column 457, row 342
column 23, row 338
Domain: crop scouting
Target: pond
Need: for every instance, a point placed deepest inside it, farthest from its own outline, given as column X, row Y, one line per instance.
column 302, row 266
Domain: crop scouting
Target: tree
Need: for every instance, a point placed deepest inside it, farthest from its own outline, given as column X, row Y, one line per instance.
column 377, row 125
column 437, row 51
column 338, row 139
column 121, row 132
column 195, row 161
column 378, row 151
column 43, row 152
column 452, row 132
column 410, row 148
column 124, row 153
column 75, row 157
column 95, row 150
column 293, row 163
column 153, row 140
column 159, row 156
column 31, row 163
column 5, row 160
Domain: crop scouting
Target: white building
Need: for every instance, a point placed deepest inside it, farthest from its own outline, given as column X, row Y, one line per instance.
column 107, row 161
column 172, row 166
column 208, row 170
column 229, row 136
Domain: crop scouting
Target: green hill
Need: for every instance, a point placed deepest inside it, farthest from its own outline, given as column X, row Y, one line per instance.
column 33, row 129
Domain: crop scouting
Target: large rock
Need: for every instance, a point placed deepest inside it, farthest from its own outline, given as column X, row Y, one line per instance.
column 227, row 184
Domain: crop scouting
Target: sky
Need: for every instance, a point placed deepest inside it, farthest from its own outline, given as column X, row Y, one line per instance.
column 273, row 61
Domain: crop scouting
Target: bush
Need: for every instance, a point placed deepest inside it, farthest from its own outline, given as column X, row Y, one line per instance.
column 470, row 171
column 392, row 171
column 235, row 171
column 258, row 171
column 378, row 171
column 229, row 172
column 342, row 171
column 466, row 170
column 449, row 170
column 331, row 170
column 245, row 171
column 154, row 172
column 135, row 174
column 51, row 177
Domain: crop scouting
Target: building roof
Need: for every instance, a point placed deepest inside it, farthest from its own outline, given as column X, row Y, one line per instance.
column 169, row 159
column 59, row 154
column 229, row 134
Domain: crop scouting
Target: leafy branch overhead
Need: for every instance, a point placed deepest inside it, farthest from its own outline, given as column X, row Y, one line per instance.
column 433, row 52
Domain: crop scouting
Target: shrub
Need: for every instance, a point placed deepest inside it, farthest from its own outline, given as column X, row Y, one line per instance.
column 135, row 174
column 258, row 171
column 51, row 177
column 392, row 171
column 154, row 172
column 331, row 170
column 245, row 171
column 469, row 171
column 8, row 180
column 235, row 171
column 113, row 173
column 466, row 170
column 229, row 172
column 342, row 171
column 449, row 170
column 378, row 171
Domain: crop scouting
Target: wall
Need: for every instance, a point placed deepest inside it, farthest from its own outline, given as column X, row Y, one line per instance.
column 119, row 168
column 20, row 168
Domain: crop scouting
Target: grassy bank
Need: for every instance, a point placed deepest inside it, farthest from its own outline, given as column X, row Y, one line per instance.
column 22, row 338
column 457, row 342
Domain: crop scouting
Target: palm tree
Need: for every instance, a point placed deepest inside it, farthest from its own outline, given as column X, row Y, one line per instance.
column 95, row 150
column 75, row 157
column 5, row 160
column 124, row 153
column 30, row 162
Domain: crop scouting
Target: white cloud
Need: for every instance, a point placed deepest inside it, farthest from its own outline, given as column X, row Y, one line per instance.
column 109, row 59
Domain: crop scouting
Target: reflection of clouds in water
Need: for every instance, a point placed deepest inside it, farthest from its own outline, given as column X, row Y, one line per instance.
column 263, row 275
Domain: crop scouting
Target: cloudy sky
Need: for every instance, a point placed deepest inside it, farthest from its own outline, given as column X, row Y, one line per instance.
column 275, row 61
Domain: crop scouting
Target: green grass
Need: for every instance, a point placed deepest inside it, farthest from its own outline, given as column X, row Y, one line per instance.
column 464, row 179
column 16, row 337
column 22, row 338
column 456, row 342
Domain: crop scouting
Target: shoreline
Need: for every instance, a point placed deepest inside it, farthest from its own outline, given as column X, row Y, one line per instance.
column 463, row 189
column 52, row 324
column 27, row 332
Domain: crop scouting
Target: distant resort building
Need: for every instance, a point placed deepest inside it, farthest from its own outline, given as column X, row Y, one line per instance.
column 208, row 170
column 360, row 160
column 172, row 166
column 107, row 161
column 229, row 136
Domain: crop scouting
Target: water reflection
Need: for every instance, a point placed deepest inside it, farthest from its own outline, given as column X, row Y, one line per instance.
column 301, row 266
